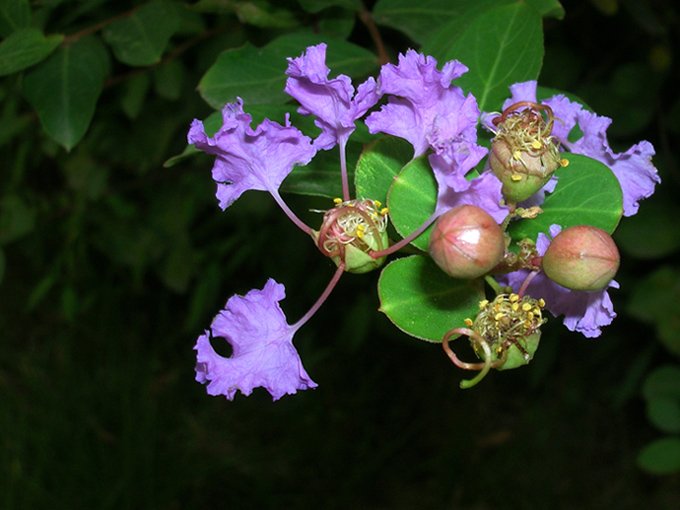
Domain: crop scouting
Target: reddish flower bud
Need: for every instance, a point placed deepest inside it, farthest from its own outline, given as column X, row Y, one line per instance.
column 466, row 242
column 581, row 258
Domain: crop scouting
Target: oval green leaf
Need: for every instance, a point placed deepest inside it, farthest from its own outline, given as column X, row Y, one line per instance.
column 257, row 75
column 14, row 15
column 65, row 87
column 412, row 200
column 424, row 302
column 379, row 164
column 24, row 48
column 660, row 457
column 141, row 38
column 587, row 193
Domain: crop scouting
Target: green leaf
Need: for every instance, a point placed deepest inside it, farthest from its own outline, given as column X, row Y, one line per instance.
column 548, row 8
column 664, row 381
column 660, row 457
column 424, row 302
column 17, row 218
column 135, row 90
column 14, row 15
column 419, row 20
column 257, row 75
column 502, row 46
column 379, row 164
column 315, row 6
column 64, row 89
column 24, row 48
column 3, row 264
column 141, row 38
column 412, row 200
column 587, row 193
column 656, row 300
column 664, row 414
column 168, row 79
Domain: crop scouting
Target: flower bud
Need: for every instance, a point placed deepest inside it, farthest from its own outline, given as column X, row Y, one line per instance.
column 524, row 154
column 581, row 258
column 466, row 242
column 351, row 231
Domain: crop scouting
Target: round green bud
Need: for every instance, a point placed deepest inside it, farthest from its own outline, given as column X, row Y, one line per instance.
column 466, row 242
column 581, row 258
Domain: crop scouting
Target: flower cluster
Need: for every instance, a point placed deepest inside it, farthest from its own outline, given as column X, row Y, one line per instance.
column 420, row 104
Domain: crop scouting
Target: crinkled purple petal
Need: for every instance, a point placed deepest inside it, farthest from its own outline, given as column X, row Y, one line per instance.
column 633, row 168
column 248, row 159
column 483, row 191
column 424, row 107
column 584, row 312
column 331, row 101
column 263, row 352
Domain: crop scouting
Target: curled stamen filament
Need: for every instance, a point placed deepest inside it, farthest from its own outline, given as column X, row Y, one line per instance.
column 482, row 367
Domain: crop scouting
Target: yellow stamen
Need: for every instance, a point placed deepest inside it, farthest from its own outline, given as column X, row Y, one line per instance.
column 516, row 177
column 526, row 307
column 483, row 303
column 337, row 201
column 564, row 162
column 384, row 211
column 468, row 322
column 536, row 144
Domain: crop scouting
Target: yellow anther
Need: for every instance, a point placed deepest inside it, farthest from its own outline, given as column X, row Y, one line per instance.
column 468, row 322
column 377, row 203
column 564, row 162
column 530, row 316
column 337, row 201
column 541, row 302
column 536, row 144
column 515, row 307
column 513, row 297
column 526, row 307
column 516, row 177
column 499, row 316
column 537, row 311
column 384, row 211
column 517, row 155
column 483, row 303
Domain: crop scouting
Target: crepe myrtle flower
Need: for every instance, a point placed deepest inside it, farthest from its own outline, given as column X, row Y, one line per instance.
column 424, row 107
column 633, row 168
column 262, row 342
column 584, row 311
column 246, row 158
column 332, row 101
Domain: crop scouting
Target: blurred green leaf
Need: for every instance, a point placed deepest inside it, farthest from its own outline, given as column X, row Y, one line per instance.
column 587, row 193
column 656, row 301
column 17, row 218
column 14, row 15
column 3, row 264
column 660, row 457
column 141, row 38
column 64, row 89
column 502, row 46
column 314, row 6
column 169, row 79
column 664, row 414
column 423, row 301
column 664, row 381
column 257, row 75
column 260, row 14
column 378, row 166
column 24, row 48
column 134, row 94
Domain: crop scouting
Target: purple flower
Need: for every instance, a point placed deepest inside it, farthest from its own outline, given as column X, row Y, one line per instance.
column 332, row 101
column 263, row 352
column 258, row 159
column 424, row 107
column 633, row 168
column 584, row 311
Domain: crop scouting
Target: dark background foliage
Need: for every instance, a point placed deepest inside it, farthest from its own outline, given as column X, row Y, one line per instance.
column 112, row 264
